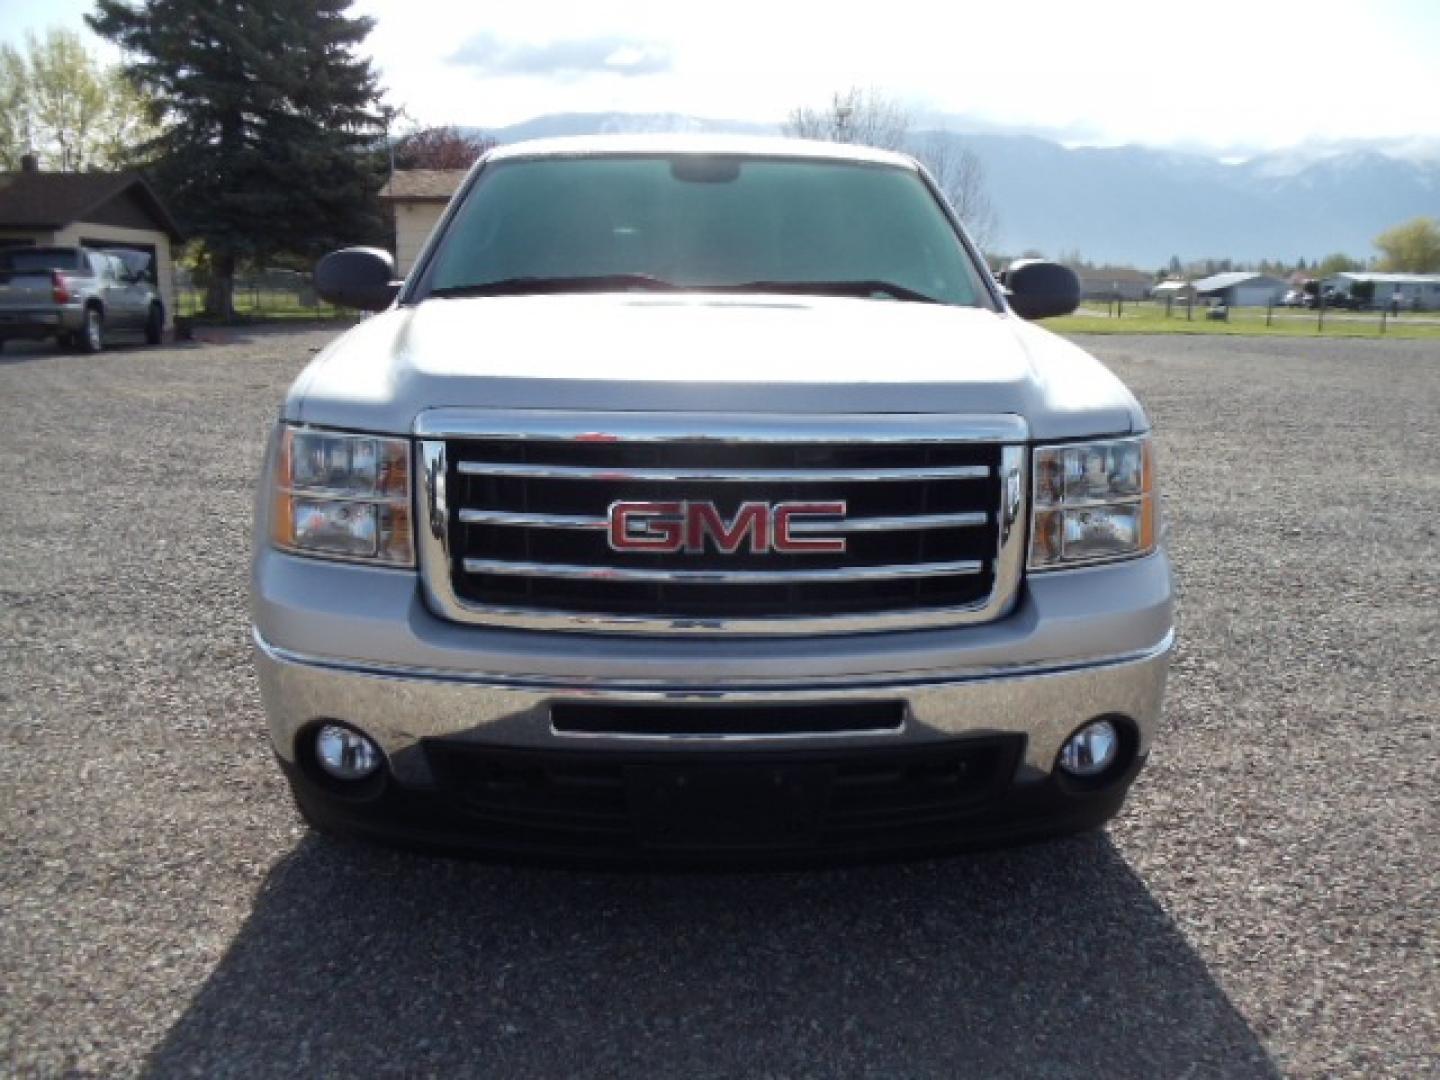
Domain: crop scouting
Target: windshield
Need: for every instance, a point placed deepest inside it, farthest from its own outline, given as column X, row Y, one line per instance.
column 703, row 222
column 41, row 260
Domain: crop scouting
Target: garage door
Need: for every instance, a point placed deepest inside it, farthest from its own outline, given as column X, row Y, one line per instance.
column 149, row 249
column 1253, row 295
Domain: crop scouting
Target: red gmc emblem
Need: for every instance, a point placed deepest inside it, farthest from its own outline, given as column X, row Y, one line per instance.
column 687, row 526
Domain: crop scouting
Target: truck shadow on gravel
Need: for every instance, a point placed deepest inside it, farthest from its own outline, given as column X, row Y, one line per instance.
column 1052, row 959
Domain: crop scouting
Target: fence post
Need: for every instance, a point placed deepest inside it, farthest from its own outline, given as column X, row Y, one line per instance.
column 1320, row 328
column 1269, row 312
column 1119, row 307
column 1383, row 313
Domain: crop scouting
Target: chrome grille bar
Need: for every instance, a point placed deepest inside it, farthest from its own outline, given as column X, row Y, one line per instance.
column 471, row 516
column 719, row 577
column 751, row 476
column 864, row 429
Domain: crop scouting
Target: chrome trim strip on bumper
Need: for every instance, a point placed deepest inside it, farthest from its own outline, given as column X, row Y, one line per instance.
column 725, row 428
column 598, row 523
column 720, row 577
column 635, row 689
column 434, row 511
column 742, row 476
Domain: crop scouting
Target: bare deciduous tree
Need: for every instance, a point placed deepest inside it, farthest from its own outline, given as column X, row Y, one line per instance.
column 869, row 118
column 864, row 117
column 960, row 175
column 439, row 148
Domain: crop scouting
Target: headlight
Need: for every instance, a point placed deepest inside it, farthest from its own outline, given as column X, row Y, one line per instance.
column 1094, row 502
column 343, row 496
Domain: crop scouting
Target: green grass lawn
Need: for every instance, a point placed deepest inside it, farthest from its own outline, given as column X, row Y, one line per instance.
column 263, row 305
column 1286, row 322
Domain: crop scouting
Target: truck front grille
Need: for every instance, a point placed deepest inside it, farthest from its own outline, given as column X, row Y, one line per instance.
column 526, row 524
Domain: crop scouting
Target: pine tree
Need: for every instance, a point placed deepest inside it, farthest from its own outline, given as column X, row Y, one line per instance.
column 270, row 123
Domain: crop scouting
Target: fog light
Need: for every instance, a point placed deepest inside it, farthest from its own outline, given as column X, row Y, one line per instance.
column 1091, row 750
column 345, row 754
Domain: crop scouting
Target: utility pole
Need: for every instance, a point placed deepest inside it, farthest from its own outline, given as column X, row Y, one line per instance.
column 387, row 114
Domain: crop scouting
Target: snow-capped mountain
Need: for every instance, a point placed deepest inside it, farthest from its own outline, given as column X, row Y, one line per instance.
column 1140, row 205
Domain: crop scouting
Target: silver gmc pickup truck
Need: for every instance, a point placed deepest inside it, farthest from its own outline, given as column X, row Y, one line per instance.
column 705, row 498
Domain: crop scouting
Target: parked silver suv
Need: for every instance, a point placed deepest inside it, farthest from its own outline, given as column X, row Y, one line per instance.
column 78, row 295
column 700, row 497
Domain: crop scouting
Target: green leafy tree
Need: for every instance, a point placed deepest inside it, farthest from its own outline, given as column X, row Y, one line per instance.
column 1337, row 263
column 271, row 124
column 127, row 135
column 17, row 133
column 62, row 105
column 1413, row 247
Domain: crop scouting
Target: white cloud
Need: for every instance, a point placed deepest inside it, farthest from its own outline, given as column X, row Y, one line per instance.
column 563, row 58
column 1130, row 71
column 1259, row 75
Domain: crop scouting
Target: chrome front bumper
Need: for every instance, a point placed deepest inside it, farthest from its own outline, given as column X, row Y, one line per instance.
column 356, row 644
column 399, row 706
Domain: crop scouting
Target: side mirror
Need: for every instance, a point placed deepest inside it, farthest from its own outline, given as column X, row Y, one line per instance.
column 1040, row 290
column 357, row 277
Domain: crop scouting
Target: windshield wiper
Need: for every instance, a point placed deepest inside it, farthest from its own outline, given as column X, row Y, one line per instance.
column 521, row 286
column 862, row 289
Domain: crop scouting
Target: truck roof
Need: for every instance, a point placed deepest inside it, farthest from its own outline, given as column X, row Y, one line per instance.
column 738, row 145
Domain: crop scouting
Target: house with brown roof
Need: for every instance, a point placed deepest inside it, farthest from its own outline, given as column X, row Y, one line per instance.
column 418, row 197
column 94, row 209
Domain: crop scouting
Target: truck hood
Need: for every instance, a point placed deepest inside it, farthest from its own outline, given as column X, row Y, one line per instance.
column 699, row 353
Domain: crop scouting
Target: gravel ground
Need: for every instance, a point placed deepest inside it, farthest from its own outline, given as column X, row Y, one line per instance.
column 1266, row 905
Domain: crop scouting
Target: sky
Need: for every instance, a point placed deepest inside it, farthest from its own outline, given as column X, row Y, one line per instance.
column 1228, row 79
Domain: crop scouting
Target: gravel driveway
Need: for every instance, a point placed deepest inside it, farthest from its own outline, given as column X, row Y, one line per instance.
column 1267, row 904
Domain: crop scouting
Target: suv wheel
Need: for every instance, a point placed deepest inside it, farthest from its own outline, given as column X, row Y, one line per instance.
column 92, row 337
column 155, row 325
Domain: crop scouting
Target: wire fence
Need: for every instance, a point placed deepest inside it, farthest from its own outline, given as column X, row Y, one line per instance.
column 1322, row 317
column 275, row 294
